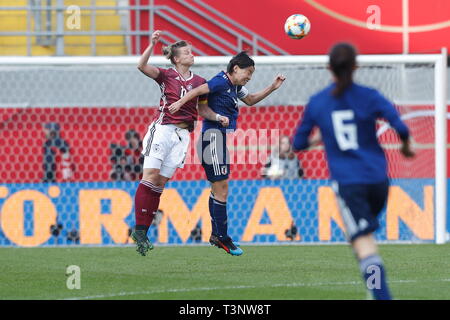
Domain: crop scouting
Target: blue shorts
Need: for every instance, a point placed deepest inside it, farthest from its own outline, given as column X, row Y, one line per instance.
column 214, row 155
column 360, row 205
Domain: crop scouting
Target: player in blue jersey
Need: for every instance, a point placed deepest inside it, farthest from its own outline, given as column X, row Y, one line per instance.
column 346, row 115
column 223, row 91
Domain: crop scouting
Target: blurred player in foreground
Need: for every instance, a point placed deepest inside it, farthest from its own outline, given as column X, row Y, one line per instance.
column 165, row 144
column 223, row 91
column 346, row 115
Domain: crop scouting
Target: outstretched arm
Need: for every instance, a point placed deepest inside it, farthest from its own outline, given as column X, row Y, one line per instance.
column 149, row 70
column 201, row 90
column 254, row 98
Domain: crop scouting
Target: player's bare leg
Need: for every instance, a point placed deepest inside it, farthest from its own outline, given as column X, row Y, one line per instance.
column 365, row 246
column 152, row 175
column 146, row 203
column 220, row 190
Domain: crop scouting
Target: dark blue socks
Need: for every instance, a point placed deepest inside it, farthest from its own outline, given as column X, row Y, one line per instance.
column 218, row 212
column 374, row 276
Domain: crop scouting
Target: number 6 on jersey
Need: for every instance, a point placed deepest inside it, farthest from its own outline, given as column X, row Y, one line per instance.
column 346, row 133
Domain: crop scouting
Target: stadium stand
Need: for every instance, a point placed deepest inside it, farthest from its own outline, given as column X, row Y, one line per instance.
column 41, row 20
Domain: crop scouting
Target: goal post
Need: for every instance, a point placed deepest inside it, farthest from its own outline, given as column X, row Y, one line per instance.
column 96, row 102
column 441, row 79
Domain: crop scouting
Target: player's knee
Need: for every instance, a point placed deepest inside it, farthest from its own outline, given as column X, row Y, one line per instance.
column 220, row 190
column 365, row 246
column 221, row 196
column 153, row 176
column 149, row 174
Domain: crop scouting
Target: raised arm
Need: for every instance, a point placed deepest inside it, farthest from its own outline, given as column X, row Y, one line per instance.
column 254, row 98
column 201, row 90
column 143, row 66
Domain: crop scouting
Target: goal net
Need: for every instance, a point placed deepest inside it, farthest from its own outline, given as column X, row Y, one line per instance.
column 70, row 134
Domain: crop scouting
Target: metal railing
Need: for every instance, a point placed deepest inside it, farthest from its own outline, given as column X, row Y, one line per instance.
column 49, row 22
column 39, row 25
column 255, row 38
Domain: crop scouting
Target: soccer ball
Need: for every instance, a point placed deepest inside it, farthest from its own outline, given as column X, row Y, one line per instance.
column 297, row 26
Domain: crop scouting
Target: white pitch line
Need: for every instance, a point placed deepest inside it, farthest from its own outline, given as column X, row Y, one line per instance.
column 295, row 285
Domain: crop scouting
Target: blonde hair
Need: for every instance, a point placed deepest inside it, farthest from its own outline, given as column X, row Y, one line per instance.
column 171, row 50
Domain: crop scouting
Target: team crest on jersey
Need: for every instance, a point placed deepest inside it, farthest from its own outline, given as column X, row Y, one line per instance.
column 223, row 169
column 156, row 148
column 189, row 87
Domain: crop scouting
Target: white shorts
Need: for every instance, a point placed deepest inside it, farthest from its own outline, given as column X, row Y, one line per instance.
column 165, row 147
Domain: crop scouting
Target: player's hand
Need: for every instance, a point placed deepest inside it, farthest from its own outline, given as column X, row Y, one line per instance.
column 315, row 139
column 406, row 150
column 279, row 79
column 224, row 121
column 155, row 36
column 174, row 107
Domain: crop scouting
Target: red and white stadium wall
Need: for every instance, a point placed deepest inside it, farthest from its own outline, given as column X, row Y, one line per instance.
column 90, row 131
column 260, row 210
column 332, row 21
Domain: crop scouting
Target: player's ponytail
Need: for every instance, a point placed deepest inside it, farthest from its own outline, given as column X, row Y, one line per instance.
column 342, row 64
column 171, row 51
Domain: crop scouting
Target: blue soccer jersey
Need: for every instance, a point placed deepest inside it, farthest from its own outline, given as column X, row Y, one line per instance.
column 348, row 127
column 223, row 99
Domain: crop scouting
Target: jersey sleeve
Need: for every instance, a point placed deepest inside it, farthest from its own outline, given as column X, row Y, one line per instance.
column 304, row 128
column 385, row 109
column 203, row 98
column 217, row 84
column 161, row 76
column 242, row 92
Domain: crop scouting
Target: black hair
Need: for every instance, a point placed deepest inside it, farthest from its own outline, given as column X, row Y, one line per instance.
column 342, row 64
column 242, row 60
column 171, row 50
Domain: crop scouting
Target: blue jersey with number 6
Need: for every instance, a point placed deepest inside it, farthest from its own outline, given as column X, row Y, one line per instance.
column 348, row 127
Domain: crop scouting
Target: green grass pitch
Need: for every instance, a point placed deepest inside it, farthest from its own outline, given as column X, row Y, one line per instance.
column 202, row 272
